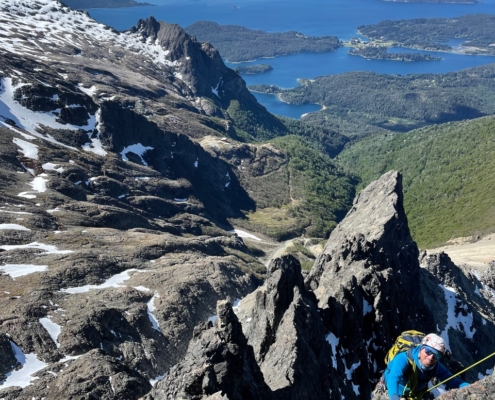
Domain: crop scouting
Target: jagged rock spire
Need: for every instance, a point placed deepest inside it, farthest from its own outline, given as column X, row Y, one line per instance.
column 366, row 281
column 281, row 322
column 218, row 362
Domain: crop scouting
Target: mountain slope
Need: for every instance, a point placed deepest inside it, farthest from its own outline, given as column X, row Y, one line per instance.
column 448, row 181
column 119, row 177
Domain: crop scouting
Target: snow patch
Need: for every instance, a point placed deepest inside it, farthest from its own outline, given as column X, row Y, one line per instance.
column 52, row 328
column 14, row 227
column 244, row 234
column 115, row 281
column 137, row 149
column 24, row 376
column 457, row 320
column 17, row 270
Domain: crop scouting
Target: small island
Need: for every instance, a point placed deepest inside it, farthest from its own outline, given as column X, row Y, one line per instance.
column 86, row 4
column 381, row 53
column 254, row 69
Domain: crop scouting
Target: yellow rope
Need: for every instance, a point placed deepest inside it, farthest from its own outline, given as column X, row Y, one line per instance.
column 464, row 370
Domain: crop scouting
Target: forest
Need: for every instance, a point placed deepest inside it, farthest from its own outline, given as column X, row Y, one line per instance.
column 237, row 43
column 382, row 53
column 254, row 69
column 357, row 104
column 448, row 185
column 476, row 30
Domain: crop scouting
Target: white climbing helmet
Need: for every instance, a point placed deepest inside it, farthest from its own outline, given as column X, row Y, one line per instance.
column 435, row 342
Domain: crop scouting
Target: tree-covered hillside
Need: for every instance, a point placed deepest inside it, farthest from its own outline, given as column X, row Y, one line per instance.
column 360, row 103
column 448, row 176
column 320, row 193
column 433, row 33
column 237, row 43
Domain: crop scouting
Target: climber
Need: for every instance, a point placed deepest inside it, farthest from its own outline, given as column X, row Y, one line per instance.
column 408, row 373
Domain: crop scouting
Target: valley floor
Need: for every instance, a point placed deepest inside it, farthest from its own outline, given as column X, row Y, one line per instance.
column 475, row 254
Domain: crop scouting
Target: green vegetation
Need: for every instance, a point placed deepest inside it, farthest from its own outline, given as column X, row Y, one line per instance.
column 258, row 125
column 237, row 43
column 447, row 176
column 320, row 194
column 432, row 33
column 254, row 69
column 263, row 88
column 381, row 53
column 361, row 103
column 320, row 190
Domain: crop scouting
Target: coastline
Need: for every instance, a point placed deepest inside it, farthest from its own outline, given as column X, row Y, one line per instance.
column 476, row 51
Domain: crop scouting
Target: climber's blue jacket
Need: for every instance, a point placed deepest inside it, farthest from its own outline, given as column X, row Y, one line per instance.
column 399, row 369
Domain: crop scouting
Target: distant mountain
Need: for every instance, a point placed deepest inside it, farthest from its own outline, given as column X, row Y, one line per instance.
column 237, row 43
column 86, row 4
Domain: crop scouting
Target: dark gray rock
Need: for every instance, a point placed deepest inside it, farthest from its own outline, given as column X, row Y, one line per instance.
column 282, row 324
column 93, row 375
column 368, row 267
column 8, row 362
column 218, row 360
column 459, row 307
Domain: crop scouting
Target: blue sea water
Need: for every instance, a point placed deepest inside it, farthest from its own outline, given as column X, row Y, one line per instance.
column 314, row 18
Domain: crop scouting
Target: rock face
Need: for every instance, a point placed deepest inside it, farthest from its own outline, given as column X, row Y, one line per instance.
column 369, row 265
column 282, row 324
column 484, row 389
column 218, row 360
column 455, row 298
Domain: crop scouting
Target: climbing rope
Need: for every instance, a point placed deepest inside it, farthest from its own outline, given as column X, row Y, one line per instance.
column 464, row 370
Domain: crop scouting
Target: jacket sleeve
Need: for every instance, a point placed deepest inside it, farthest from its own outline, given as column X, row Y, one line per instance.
column 396, row 375
column 443, row 373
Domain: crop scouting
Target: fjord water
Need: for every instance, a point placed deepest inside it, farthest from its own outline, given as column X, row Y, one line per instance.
column 313, row 18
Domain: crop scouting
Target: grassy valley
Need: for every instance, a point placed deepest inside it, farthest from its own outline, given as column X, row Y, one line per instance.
column 319, row 193
column 448, row 176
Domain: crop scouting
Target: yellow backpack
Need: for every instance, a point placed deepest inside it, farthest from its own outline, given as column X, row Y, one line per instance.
column 405, row 341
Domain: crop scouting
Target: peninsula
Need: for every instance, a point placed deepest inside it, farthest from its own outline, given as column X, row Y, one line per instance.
column 372, row 51
column 254, row 69
column 237, row 43
column 474, row 30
